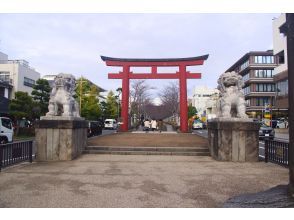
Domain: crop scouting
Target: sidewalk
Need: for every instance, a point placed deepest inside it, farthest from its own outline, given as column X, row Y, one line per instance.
column 135, row 181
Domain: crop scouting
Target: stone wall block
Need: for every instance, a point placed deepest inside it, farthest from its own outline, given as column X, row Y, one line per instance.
column 41, row 138
column 60, row 140
column 233, row 140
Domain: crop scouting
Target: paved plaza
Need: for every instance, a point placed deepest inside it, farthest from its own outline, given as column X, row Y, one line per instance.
column 134, row 181
column 149, row 139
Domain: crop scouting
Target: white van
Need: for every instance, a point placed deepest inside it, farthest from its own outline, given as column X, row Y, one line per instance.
column 110, row 124
column 6, row 130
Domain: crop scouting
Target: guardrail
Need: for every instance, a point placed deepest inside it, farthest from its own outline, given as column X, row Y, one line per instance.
column 277, row 152
column 13, row 153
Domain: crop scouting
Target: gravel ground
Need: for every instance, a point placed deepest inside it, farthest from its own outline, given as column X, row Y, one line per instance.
column 134, row 181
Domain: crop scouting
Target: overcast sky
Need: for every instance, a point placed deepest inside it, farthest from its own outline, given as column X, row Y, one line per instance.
column 73, row 43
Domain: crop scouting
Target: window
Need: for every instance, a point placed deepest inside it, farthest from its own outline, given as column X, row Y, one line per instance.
column 246, row 90
column 265, row 87
column 6, row 123
column 282, row 87
column 262, row 101
column 244, row 65
column 264, row 59
column 28, row 82
column 263, row 73
column 281, row 57
column 245, row 77
column 5, row 76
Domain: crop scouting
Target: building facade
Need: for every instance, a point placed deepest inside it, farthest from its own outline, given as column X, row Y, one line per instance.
column 257, row 71
column 5, row 93
column 18, row 73
column 201, row 95
column 281, row 71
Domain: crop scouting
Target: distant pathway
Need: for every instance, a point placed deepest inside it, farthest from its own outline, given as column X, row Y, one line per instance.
column 169, row 127
column 149, row 139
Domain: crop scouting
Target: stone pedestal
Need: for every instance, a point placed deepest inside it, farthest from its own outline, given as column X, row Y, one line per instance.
column 233, row 139
column 59, row 139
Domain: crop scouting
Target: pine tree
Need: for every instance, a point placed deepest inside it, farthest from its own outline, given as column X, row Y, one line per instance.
column 41, row 95
column 110, row 107
column 22, row 106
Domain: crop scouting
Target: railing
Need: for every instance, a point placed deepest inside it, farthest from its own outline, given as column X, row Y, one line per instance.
column 16, row 152
column 277, row 152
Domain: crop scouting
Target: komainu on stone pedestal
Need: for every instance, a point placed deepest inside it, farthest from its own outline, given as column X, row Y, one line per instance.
column 232, row 102
column 62, row 133
column 62, row 102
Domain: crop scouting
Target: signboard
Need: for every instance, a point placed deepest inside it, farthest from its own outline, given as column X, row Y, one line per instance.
column 267, row 116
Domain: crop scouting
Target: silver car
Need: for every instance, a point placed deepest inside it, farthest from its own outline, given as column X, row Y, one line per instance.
column 266, row 132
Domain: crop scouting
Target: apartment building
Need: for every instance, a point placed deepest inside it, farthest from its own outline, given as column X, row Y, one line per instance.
column 257, row 71
column 281, row 71
column 18, row 74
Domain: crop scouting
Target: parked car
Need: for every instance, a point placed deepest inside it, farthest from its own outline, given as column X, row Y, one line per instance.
column 197, row 124
column 110, row 124
column 266, row 132
column 6, row 130
column 282, row 124
column 95, row 128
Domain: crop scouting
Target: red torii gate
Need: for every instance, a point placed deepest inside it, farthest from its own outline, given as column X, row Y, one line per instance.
column 182, row 75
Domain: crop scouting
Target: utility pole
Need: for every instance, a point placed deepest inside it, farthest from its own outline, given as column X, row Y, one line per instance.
column 81, row 91
column 81, row 84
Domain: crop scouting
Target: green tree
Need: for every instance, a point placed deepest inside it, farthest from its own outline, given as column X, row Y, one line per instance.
column 110, row 107
column 23, row 107
column 191, row 111
column 41, row 95
column 90, row 108
column 87, row 96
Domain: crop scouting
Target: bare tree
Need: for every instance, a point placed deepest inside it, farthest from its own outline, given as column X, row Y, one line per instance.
column 140, row 97
column 170, row 98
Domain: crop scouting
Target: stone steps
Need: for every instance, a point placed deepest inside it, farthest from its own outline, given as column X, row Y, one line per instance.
column 180, row 151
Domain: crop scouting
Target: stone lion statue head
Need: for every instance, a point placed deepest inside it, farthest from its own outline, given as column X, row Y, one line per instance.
column 229, row 79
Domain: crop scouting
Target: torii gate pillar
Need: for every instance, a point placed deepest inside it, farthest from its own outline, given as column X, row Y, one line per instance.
column 125, row 98
column 183, row 99
column 182, row 75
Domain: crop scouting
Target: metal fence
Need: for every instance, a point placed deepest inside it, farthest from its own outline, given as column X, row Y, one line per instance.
column 277, row 152
column 16, row 152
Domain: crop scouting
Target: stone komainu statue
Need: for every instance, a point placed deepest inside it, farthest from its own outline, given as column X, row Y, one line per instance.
column 62, row 102
column 231, row 103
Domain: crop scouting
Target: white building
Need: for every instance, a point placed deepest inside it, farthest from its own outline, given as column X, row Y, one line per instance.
column 281, row 71
column 18, row 73
column 50, row 79
column 201, row 95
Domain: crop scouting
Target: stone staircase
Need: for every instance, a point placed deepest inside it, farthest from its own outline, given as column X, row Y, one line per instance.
column 134, row 150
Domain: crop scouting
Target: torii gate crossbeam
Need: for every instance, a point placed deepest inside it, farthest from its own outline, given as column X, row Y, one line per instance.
column 182, row 75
